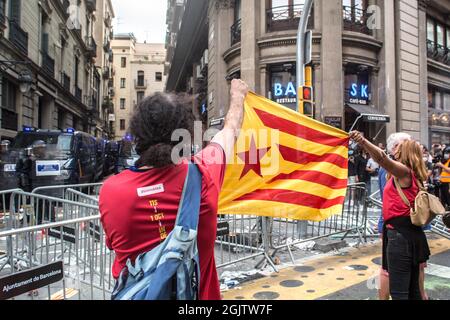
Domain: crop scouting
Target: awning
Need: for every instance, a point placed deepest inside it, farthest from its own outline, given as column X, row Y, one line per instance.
column 369, row 113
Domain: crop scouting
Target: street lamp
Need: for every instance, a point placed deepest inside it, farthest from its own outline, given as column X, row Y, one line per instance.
column 25, row 77
column 25, row 81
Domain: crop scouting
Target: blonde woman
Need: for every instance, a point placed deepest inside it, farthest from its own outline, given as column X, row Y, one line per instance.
column 405, row 246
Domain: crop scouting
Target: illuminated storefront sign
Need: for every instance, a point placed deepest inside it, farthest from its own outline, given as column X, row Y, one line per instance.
column 284, row 94
column 359, row 94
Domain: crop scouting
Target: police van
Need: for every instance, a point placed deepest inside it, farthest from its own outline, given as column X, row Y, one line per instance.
column 66, row 157
column 127, row 156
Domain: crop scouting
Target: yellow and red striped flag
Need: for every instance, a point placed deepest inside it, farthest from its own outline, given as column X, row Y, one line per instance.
column 285, row 165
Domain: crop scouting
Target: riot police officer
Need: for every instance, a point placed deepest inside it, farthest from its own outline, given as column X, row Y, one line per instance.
column 24, row 169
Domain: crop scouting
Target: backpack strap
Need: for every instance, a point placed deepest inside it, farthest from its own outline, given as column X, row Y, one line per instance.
column 189, row 208
column 401, row 193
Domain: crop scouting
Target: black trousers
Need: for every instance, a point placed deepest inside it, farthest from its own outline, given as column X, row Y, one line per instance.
column 403, row 272
column 445, row 194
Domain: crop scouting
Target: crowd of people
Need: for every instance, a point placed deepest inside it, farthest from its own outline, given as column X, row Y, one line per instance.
column 133, row 231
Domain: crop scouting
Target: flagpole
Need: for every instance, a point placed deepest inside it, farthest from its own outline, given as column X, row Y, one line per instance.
column 301, row 35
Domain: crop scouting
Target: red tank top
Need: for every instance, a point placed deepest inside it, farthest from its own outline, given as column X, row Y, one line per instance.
column 393, row 205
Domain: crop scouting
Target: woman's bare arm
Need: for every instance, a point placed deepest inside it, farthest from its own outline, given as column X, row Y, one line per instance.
column 395, row 168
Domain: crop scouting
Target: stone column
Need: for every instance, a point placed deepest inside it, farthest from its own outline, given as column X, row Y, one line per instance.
column 332, row 94
column 249, row 47
column 423, row 71
column 220, row 21
column 387, row 76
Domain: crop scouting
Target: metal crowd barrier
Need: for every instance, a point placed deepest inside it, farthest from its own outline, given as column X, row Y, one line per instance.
column 92, row 189
column 42, row 229
column 73, row 244
column 438, row 227
column 284, row 234
column 240, row 238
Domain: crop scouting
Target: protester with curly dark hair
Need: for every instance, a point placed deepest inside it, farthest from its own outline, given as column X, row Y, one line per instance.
column 139, row 206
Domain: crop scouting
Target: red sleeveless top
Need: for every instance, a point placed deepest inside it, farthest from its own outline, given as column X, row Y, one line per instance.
column 393, row 205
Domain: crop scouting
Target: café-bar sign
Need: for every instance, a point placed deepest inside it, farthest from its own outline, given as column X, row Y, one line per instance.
column 359, row 94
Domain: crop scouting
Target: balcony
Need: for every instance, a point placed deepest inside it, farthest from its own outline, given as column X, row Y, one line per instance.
column 107, row 103
column 91, row 47
column 236, row 32
column 356, row 20
column 91, row 5
column 106, row 73
column 65, row 81
column 110, row 56
column 18, row 37
column 9, row 120
column 106, row 45
column 286, row 18
column 438, row 52
column 78, row 94
column 140, row 84
column 48, row 64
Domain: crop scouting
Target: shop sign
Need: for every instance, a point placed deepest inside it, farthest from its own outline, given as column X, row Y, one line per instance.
column 284, row 94
column 359, row 94
column 334, row 122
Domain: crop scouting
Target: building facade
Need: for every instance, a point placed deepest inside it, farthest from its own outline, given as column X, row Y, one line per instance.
column 57, row 45
column 368, row 56
column 139, row 72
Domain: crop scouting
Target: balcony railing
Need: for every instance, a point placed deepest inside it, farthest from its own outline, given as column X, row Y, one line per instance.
column 91, row 46
column 286, row 18
column 18, row 37
column 48, row 64
column 65, row 81
column 236, row 32
column 9, row 119
column 78, row 93
column 140, row 84
column 438, row 52
column 106, row 73
column 106, row 45
column 356, row 20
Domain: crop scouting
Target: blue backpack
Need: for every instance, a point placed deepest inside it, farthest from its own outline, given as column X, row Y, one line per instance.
column 170, row 271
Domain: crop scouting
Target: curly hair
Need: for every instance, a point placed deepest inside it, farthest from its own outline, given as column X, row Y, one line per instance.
column 152, row 125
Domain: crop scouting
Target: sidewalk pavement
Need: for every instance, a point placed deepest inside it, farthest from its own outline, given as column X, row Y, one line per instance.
column 351, row 274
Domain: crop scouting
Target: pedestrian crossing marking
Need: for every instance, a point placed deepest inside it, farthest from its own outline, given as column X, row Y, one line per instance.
column 60, row 294
column 330, row 274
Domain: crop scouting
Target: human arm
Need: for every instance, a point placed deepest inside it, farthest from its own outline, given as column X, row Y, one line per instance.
column 443, row 167
column 395, row 168
column 233, row 121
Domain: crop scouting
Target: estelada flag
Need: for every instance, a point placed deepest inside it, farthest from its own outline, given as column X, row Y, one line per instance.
column 285, row 165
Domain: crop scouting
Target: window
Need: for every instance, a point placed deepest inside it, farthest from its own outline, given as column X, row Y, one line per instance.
column 237, row 10
column 122, row 124
column 8, row 92
column 14, row 11
column 122, row 103
column 357, row 84
column 123, row 62
column 140, row 96
column 438, row 41
column 77, row 67
column 158, row 76
column 438, row 99
column 285, row 15
column 140, row 78
column 122, row 83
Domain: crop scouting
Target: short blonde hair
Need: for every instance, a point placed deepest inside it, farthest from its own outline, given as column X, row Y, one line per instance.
column 395, row 139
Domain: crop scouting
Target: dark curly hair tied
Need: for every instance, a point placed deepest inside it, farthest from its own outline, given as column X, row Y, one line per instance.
column 152, row 125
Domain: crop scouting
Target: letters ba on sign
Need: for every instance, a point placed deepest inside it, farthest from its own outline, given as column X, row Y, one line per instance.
column 20, row 283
